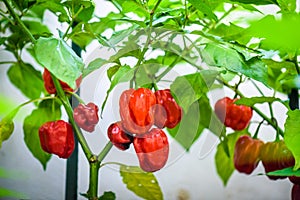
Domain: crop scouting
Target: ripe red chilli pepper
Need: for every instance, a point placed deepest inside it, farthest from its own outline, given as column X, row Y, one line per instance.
column 118, row 137
column 49, row 85
column 295, row 193
column 234, row 116
column 152, row 150
column 86, row 116
column 167, row 111
column 136, row 110
column 57, row 137
column 246, row 154
column 276, row 156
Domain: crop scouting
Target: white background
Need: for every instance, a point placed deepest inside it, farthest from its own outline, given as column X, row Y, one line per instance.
column 190, row 175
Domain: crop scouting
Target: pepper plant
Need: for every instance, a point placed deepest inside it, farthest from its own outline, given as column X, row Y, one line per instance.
column 222, row 44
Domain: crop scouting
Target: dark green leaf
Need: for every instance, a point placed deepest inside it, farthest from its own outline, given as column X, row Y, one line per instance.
column 256, row 2
column 222, row 56
column 285, row 172
column 88, row 11
column 93, row 65
column 292, row 136
column 36, row 27
column 287, row 5
column 143, row 184
column 27, row 79
column 254, row 100
column 108, row 196
column 225, row 164
column 48, row 110
column 112, row 70
column 62, row 61
column 189, row 88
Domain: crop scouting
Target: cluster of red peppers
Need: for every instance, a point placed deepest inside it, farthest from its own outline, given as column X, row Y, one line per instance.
column 57, row 137
column 140, row 109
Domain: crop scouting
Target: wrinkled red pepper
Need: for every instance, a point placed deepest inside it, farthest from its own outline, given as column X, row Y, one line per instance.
column 152, row 150
column 136, row 110
column 246, row 154
column 86, row 116
column 56, row 137
column 234, row 116
column 276, row 156
column 167, row 111
column 49, row 85
column 295, row 193
column 118, row 137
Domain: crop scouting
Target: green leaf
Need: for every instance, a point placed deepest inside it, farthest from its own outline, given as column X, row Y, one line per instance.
column 222, row 56
column 6, row 104
column 256, row 2
column 112, row 70
column 108, row 196
column 36, row 27
column 287, row 5
column 48, row 110
column 255, row 100
column 124, row 74
column 292, row 136
column 143, row 184
column 62, row 61
column 55, row 7
column 4, row 192
column 27, row 79
column 204, row 8
column 88, row 11
column 6, row 129
column 189, row 88
column 285, row 172
column 93, row 65
column 225, row 164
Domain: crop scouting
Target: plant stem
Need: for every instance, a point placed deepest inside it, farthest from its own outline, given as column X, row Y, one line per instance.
column 93, row 183
column 18, row 20
column 69, row 110
column 104, row 151
column 72, row 22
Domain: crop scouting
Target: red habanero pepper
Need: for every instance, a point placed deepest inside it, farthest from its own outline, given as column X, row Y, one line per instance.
column 49, row 85
column 276, row 156
column 86, row 116
column 56, row 137
column 234, row 116
column 167, row 111
column 246, row 154
column 118, row 137
column 136, row 110
column 152, row 150
column 295, row 193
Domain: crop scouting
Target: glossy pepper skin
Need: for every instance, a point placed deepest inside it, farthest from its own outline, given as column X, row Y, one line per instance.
column 295, row 179
column 234, row 116
column 246, row 154
column 295, row 193
column 152, row 150
column 86, row 116
column 49, row 85
column 167, row 111
column 276, row 156
column 118, row 137
column 136, row 110
column 57, row 137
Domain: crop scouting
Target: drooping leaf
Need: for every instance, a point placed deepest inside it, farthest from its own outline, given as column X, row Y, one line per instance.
column 225, row 164
column 59, row 58
column 93, row 65
column 189, row 88
column 48, row 110
column 6, row 129
column 107, row 196
column 285, row 172
column 230, row 59
column 27, row 79
column 143, row 184
column 204, row 8
column 292, row 136
column 255, row 100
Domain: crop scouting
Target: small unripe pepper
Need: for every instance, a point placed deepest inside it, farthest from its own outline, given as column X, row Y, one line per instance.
column 167, row 111
column 49, row 85
column 234, row 116
column 118, row 137
column 276, row 156
column 246, row 154
column 136, row 110
column 56, row 137
column 86, row 116
column 152, row 150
